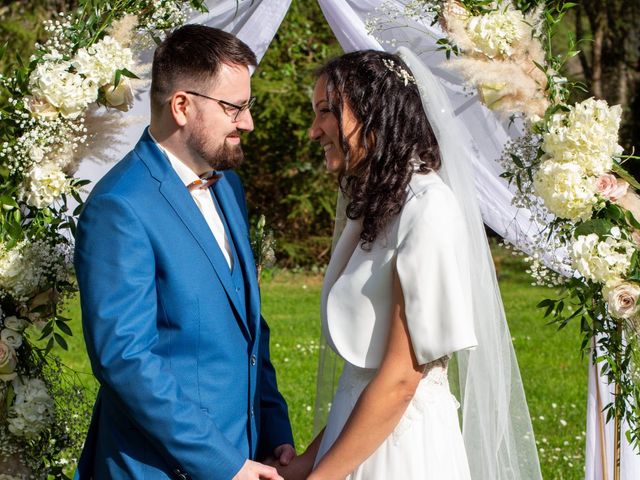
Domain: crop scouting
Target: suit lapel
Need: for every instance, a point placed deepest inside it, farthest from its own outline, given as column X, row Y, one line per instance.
column 240, row 236
column 185, row 208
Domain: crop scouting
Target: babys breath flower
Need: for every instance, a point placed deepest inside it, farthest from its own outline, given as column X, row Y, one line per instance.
column 495, row 33
column 166, row 15
column 586, row 135
column 68, row 92
column 31, row 266
column 45, row 183
column 32, row 409
column 622, row 298
column 565, row 190
column 603, row 261
column 99, row 62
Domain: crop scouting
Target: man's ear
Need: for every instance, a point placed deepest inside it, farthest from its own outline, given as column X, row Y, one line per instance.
column 180, row 106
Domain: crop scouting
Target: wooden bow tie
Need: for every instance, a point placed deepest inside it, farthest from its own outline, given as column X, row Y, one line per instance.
column 205, row 181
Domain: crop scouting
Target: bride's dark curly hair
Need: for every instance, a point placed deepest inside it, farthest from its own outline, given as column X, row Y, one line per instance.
column 393, row 132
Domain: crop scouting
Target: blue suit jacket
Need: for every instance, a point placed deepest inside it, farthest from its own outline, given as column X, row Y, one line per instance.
column 187, row 387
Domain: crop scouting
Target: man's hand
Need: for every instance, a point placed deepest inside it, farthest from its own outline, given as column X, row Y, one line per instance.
column 284, row 454
column 256, row 471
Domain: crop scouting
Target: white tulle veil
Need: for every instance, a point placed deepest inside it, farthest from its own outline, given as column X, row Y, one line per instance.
column 496, row 424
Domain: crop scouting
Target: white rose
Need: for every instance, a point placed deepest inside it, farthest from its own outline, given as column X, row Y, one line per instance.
column 15, row 323
column 622, row 299
column 11, row 338
column 8, row 362
column 120, row 97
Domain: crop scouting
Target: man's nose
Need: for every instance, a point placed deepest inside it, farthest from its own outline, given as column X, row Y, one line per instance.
column 245, row 121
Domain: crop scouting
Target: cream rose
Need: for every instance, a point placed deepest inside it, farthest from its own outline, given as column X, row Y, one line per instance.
column 120, row 97
column 14, row 323
column 8, row 362
column 611, row 187
column 11, row 338
column 623, row 299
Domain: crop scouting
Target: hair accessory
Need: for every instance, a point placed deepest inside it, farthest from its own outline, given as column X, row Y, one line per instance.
column 405, row 76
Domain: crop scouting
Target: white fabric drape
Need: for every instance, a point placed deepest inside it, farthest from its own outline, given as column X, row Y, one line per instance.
column 600, row 435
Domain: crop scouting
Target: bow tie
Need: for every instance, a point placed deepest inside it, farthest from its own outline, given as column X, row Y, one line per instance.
column 205, row 181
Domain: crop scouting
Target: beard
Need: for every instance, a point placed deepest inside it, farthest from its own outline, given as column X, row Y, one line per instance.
column 224, row 157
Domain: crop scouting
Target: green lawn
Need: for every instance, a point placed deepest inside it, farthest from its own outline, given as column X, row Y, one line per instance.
column 553, row 371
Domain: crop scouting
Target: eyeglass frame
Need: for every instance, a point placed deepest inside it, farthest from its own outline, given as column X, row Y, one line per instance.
column 226, row 105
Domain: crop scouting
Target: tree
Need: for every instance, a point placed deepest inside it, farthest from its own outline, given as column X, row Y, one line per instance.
column 284, row 173
column 609, row 61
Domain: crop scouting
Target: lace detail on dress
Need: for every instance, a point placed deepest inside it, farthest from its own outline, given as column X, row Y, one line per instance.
column 435, row 373
column 433, row 388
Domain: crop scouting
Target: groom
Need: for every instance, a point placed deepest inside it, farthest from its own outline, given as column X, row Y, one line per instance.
column 170, row 301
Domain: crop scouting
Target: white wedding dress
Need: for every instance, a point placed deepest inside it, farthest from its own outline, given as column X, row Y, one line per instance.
column 424, row 245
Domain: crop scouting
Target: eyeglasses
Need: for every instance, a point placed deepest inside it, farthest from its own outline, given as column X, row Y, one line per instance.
column 231, row 109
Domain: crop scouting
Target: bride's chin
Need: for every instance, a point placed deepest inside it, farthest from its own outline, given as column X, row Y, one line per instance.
column 334, row 165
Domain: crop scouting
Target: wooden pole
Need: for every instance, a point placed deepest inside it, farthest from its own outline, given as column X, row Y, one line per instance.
column 601, row 421
column 617, row 424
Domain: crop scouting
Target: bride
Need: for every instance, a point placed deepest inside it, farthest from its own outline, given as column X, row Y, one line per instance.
column 409, row 284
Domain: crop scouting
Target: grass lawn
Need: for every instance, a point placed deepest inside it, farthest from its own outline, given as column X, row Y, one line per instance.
column 554, row 374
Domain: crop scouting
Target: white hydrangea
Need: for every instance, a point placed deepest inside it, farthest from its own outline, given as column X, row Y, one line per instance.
column 602, row 260
column 586, row 135
column 565, row 189
column 44, row 184
column 99, row 62
column 32, row 409
column 495, row 33
column 68, row 92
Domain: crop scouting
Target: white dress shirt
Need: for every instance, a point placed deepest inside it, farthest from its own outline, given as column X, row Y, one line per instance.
column 204, row 201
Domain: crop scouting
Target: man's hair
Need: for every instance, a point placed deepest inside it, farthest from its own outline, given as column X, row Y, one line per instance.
column 191, row 57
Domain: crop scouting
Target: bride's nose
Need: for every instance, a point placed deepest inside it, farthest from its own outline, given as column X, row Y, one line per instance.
column 314, row 131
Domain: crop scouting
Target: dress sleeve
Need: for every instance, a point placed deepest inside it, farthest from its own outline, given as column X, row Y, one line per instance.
column 432, row 265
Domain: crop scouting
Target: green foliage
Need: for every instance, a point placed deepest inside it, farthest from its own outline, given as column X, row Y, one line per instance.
column 284, row 173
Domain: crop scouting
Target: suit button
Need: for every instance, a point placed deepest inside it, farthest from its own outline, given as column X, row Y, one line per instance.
column 253, row 360
column 237, row 289
column 252, row 414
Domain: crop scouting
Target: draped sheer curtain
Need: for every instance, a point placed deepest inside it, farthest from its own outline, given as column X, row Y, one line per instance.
column 256, row 22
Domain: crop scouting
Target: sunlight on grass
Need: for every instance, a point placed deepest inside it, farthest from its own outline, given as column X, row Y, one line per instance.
column 553, row 372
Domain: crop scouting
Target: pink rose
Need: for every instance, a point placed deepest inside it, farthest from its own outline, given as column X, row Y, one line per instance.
column 611, row 187
column 8, row 362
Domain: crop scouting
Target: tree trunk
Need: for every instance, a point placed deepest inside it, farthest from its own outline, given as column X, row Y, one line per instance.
column 596, row 55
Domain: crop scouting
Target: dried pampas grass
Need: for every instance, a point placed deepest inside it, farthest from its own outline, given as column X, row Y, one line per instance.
column 508, row 84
